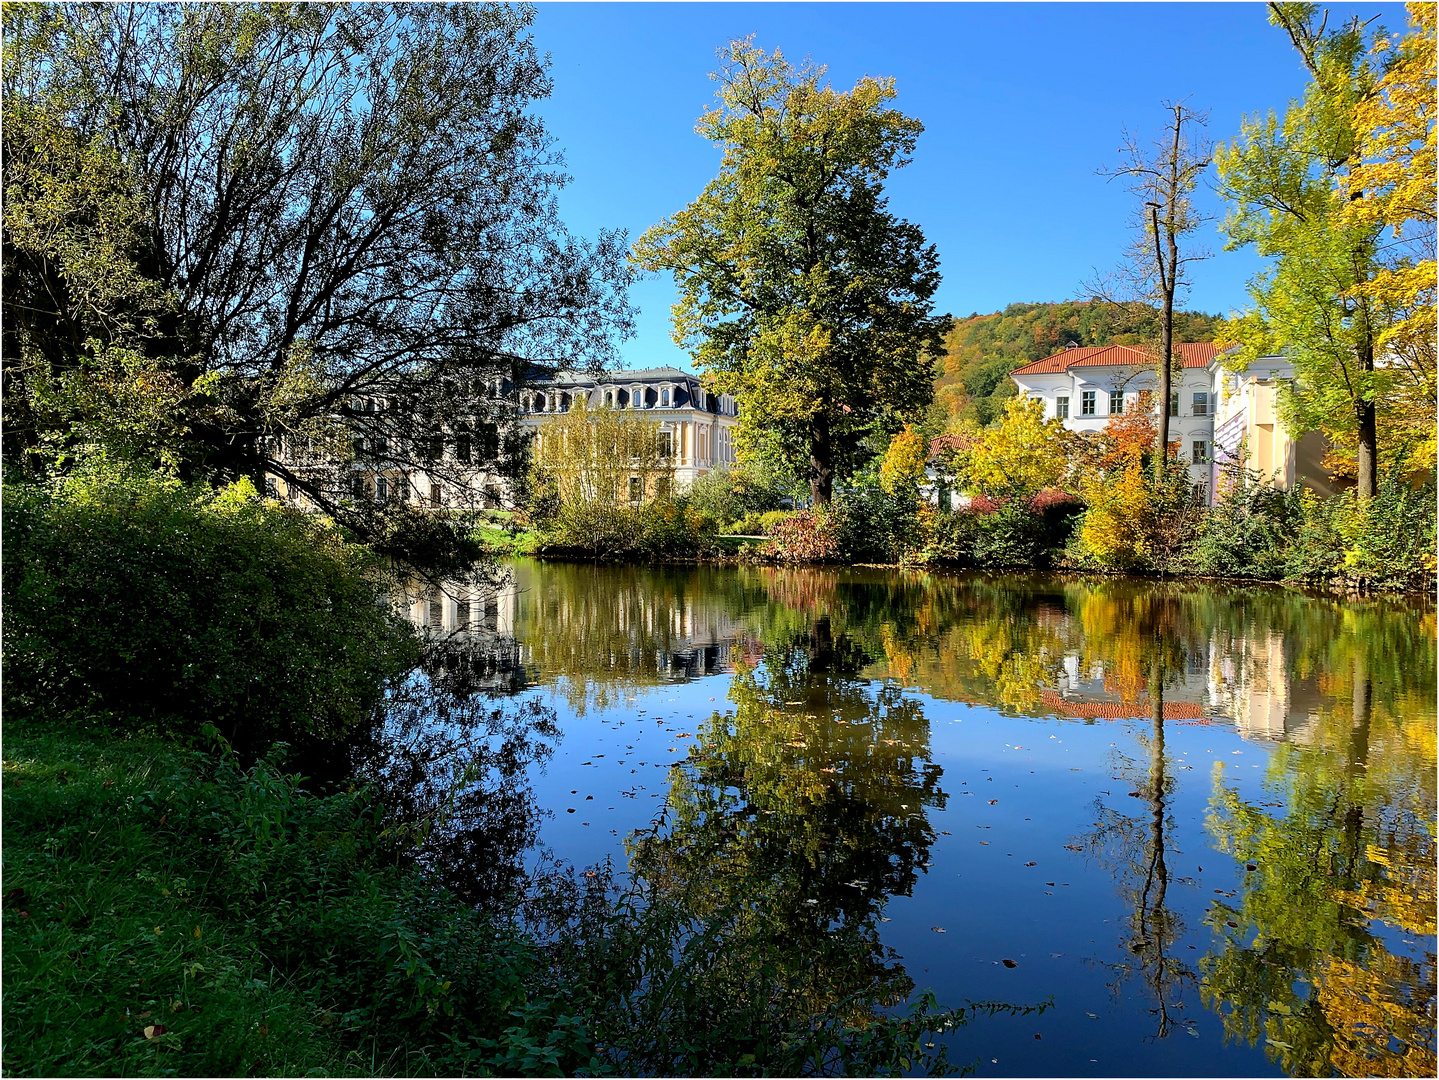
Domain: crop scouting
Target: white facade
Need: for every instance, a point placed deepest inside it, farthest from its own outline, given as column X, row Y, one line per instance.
column 1087, row 387
column 701, row 426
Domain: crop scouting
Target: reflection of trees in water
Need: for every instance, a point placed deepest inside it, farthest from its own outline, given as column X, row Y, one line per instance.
column 1309, row 963
column 597, row 632
column 795, row 817
column 452, row 765
column 1135, row 846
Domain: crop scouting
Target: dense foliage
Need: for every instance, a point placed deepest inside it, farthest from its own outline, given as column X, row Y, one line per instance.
column 800, row 292
column 152, row 603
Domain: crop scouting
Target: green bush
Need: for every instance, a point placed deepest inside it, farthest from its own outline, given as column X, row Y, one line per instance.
column 727, row 494
column 1247, row 532
column 158, row 604
column 876, row 526
column 1387, row 542
column 596, row 529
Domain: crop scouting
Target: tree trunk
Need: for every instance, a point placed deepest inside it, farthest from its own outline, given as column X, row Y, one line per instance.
column 1168, row 276
column 821, row 460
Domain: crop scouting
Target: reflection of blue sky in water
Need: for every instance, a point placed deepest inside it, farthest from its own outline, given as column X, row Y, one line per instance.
column 1033, row 698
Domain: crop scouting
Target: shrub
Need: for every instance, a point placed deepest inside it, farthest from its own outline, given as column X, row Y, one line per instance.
column 805, row 536
column 152, row 602
column 1386, row 543
column 1247, row 532
column 877, row 526
column 597, row 529
column 727, row 494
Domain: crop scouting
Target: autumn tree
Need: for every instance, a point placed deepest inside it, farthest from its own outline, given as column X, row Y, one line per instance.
column 268, row 219
column 800, row 293
column 1323, row 300
column 1024, row 454
column 1393, row 185
column 1163, row 180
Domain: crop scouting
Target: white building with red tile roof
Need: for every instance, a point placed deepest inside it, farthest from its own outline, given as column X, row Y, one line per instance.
column 1086, row 386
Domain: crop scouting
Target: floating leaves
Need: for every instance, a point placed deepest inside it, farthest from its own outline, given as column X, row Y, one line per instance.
column 1007, row 962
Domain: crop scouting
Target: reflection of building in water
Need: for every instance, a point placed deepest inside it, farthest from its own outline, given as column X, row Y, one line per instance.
column 549, row 633
column 480, row 622
column 1246, row 679
column 1252, row 681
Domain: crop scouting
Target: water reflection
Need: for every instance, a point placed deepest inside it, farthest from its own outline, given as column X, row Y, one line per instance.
column 805, row 805
column 796, row 816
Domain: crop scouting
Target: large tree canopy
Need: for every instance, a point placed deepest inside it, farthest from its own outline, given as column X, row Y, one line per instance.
column 264, row 215
column 799, row 292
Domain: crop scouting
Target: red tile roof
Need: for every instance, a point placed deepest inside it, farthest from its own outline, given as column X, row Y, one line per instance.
column 1192, row 354
column 1113, row 710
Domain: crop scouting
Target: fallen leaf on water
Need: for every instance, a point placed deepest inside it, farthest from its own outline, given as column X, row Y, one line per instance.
column 993, row 801
column 1234, row 924
column 1030, row 864
column 939, row 929
column 1009, row 963
column 1036, row 1034
column 985, row 843
column 571, row 810
column 1072, row 847
column 1250, row 866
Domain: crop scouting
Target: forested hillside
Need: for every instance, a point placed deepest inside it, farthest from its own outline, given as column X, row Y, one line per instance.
column 981, row 350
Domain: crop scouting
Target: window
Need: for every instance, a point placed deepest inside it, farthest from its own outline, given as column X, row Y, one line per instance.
column 434, row 493
column 382, row 447
column 667, row 444
column 357, row 486
column 462, row 446
column 665, row 397
column 382, row 489
column 1174, row 403
column 662, row 487
column 1201, row 404
column 434, row 448
column 489, row 441
column 1061, row 407
column 1201, row 450
column 1116, row 402
column 1086, row 403
column 609, row 399
column 637, row 489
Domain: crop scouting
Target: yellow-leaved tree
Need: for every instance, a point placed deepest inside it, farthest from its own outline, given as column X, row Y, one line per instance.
column 1393, row 186
column 1020, row 457
column 903, row 466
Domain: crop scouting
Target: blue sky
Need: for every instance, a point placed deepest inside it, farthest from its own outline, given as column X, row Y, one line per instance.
column 1021, row 103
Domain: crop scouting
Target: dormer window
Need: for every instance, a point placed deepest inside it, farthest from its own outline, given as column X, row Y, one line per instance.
column 609, row 399
column 665, row 397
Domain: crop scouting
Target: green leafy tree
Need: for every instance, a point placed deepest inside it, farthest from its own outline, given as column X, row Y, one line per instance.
column 272, row 218
column 799, row 291
column 1288, row 182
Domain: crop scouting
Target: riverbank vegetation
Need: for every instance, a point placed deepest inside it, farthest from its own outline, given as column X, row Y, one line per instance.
column 180, row 899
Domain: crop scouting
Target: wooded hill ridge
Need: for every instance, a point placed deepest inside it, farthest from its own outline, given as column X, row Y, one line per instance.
column 971, row 375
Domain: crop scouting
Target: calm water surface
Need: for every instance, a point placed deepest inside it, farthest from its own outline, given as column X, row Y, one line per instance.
column 1199, row 819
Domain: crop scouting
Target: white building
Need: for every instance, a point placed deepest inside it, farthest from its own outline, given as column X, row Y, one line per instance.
column 1214, row 412
column 699, row 426
column 1085, row 387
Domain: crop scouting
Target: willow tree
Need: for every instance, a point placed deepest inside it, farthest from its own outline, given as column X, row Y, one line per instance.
column 800, row 293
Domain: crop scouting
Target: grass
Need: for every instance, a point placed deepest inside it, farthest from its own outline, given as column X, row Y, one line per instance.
column 167, row 912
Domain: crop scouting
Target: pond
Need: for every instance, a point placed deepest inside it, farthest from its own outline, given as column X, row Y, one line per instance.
column 1197, row 820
